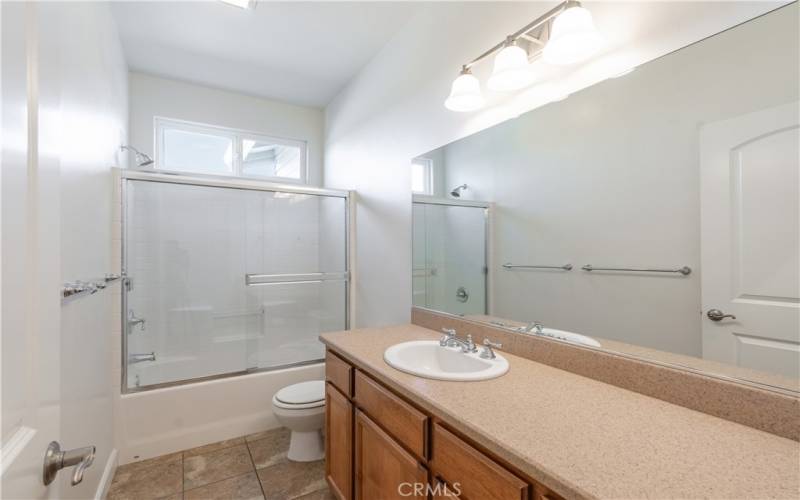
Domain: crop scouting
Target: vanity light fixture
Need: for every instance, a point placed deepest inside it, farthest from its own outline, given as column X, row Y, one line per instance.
column 465, row 94
column 564, row 35
column 573, row 38
column 242, row 4
column 512, row 70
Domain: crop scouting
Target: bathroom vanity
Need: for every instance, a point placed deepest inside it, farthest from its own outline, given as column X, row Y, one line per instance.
column 536, row 433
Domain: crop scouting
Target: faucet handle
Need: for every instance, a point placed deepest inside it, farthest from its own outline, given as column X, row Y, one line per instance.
column 488, row 352
column 449, row 333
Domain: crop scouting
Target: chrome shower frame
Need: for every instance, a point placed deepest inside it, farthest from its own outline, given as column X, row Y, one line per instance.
column 249, row 184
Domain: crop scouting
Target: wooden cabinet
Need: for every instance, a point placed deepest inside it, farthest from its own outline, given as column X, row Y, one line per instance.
column 407, row 424
column 380, row 446
column 338, row 443
column 474, row 474
column 443, row 491
column 384, row 470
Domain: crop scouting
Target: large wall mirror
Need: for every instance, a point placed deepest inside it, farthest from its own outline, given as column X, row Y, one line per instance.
column 656, row 214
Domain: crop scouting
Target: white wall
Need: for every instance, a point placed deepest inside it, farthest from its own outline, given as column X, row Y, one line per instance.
column 392, row 111
column 152, row 96
column 611, row 177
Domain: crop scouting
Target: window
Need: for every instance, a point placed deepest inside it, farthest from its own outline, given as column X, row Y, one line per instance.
column 422, row 176
column 205, row 149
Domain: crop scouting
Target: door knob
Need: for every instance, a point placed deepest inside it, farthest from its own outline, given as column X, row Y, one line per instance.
column 55, row 459
column 717, row 315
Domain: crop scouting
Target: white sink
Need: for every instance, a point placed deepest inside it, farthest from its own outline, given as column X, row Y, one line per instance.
column 426, row 358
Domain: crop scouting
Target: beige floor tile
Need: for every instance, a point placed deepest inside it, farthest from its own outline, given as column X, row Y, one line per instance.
column 263, row 434
column 150, row 462
column 211, row 467
column 271, row 449
column 288, row 480
column 244, row 487
column 208, row 448
column 152, row 482
column 176, row 496
column 318, row 495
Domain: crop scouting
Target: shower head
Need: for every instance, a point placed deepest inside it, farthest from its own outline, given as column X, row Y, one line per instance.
column 142, row 160
column 456, row 192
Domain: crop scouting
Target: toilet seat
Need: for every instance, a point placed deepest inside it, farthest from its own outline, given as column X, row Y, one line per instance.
column 301, row 396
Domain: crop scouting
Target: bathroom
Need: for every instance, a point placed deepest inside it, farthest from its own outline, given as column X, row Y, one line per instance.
column 468, row 250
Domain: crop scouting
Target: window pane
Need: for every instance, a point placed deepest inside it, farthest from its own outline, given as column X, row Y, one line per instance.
column 420, row 177
column 197, row 152
column 268, row 159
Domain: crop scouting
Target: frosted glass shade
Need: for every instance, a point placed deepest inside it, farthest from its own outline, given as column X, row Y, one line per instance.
column 465, row 94
column 574, row 38
column 512, row 71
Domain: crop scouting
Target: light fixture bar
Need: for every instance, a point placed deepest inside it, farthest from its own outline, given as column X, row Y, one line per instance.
column 525, row 30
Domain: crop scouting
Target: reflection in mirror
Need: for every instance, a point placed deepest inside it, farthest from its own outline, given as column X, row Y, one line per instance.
column 656, row 214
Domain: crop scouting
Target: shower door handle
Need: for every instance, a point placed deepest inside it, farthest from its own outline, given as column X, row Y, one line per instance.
column 281, row 279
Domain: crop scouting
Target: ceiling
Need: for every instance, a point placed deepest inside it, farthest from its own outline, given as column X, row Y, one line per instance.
column 297, row 52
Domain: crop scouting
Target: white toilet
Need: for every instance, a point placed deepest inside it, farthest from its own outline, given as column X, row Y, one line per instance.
column 301, row 408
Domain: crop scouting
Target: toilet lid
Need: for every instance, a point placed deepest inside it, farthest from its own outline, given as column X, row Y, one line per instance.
column 302, row 393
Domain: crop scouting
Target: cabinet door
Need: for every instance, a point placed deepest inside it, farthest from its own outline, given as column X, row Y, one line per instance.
column 338, row 443
column 384, row 470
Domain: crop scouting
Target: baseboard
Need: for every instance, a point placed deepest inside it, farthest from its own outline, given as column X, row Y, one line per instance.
column 108, row 476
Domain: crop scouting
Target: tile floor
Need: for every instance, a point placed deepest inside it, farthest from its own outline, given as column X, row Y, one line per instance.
column 250, row 467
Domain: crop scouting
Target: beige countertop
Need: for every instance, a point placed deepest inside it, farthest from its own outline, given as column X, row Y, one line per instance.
column 588, row 439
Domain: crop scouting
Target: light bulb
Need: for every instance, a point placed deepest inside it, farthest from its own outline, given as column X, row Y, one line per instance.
column 465, row 94
column 573, row 37
column 512, row 71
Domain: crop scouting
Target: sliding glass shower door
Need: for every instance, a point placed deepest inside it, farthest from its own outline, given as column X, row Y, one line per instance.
column 449, row 255
column 226, row 280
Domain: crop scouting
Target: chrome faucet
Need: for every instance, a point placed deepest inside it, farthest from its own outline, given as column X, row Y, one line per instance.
column 133, row 320
column 534, row 326
column 139, row 358
column 450, row 340
column 488, row 352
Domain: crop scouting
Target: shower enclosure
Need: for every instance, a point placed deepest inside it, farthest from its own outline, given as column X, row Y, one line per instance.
column 228, row 277
column 450, row 248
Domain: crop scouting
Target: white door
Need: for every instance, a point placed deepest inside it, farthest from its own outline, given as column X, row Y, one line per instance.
column 750, row 204
column 29, row 339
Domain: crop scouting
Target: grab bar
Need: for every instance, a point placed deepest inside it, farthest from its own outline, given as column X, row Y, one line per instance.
column 280, row 279
column 76, row 288
column 685, row 270
column 508, row 265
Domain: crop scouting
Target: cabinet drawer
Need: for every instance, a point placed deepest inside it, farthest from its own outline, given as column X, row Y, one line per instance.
column 476, row 475
column 339, row 373
column 404, row 422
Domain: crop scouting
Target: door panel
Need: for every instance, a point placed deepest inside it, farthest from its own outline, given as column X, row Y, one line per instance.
column 766, row 189
column 750, row 203
column 31, row 406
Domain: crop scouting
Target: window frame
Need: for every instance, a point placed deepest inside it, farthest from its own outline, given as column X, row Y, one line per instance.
column 160, row 124
column 427, row 163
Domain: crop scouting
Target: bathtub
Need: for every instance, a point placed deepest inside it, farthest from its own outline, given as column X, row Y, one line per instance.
column 161, row 421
